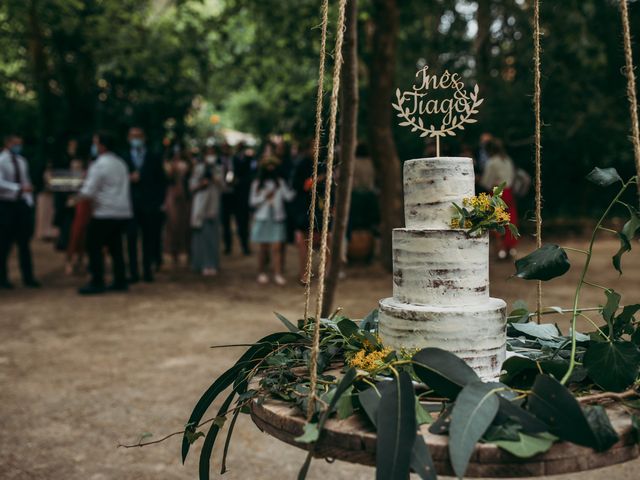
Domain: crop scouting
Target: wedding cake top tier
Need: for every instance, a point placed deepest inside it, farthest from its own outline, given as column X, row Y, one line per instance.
column 431, row 185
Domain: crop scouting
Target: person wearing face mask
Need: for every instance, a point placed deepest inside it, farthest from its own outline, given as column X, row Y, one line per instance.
column 107, row 187
column 269, row 192
column 148, row 191
column 16, row 211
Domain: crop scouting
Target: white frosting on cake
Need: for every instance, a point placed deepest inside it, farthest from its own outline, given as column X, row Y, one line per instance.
column 440, row 267
column 431, row 185
column 476, row 333
column 441, row 275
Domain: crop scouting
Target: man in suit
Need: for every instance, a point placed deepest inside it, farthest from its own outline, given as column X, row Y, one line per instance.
column 148, row 189
column 16, row 211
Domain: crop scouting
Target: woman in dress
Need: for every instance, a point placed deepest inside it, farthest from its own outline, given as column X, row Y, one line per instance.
column 177, row 207
column 269, row 192
column 499, row 169
column 205, row 186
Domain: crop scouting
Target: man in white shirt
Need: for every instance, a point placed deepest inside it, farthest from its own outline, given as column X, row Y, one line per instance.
column 16, row 211
column 107, row 185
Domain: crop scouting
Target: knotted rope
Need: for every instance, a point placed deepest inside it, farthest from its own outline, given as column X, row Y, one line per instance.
column 333, row 114
column 316, row 157
column 631, row 85
column 537, row 140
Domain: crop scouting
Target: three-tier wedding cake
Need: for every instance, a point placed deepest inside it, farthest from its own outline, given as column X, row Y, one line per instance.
column 441, row 274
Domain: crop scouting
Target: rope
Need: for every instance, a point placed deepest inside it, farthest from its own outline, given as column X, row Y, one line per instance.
column 337, row 67
column 538, row 140
column 631, row 85
column 316, row 157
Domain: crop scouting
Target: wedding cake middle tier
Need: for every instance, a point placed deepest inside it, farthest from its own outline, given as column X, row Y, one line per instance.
column 440, row 267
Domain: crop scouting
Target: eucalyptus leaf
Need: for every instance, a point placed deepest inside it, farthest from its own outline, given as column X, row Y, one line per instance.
column 547, row 262
column 556, row 406
column 528, row 423
column 604, row 176
column 443, row 371
column 601, row 426
column 370, row 321
column 613, row 366
column 421, row 461
column 290, row 326
column 344, row 407
column 527, row 446
column 347, row 327
column 422, row 416
column 396, row 426
column 545, row 331
column 473, row 412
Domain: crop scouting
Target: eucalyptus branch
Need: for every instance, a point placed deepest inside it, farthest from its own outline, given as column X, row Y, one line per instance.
column 585, row 269
column 610, row 230
column 591, row 284
column 556, row 312
column 579, row 250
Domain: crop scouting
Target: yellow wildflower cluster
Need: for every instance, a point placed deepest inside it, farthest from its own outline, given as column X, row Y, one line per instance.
column 481, row 202
column 455, row 223
column 369, row 361
column 502, row 216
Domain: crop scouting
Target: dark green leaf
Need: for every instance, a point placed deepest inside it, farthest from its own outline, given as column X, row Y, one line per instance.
column 442, row 423
column 509, row 430
column 624, row 322
column 522, row 372
column 421, row 461
column 610, row 308
column 527, row 445
column 396, row 425
column 556, row 406
column 370, row 321
column 370, row 401
column 601, row 426
column 520, row 312
column 344, row 407
column 473, row 412
column 290, row 326
column 604, row 176
column 443, row 371
column 209, row 441
column 227, row 442
column 626, row 236
column 613, row 366
column 347, row 327
column 545, row 331
column 528, row 423
column 547, row 262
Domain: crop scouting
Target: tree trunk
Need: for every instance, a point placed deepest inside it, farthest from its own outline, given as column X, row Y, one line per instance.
column 383, row 148
column 482, row 45
column 348, row 141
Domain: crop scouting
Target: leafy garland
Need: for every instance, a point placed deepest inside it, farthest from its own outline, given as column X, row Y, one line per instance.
column 537, row 401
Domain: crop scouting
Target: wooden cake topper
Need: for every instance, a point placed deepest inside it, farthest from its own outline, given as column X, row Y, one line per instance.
column 413, row 105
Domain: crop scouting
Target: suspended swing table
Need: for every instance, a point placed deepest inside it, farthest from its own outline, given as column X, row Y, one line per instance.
column 352, row 440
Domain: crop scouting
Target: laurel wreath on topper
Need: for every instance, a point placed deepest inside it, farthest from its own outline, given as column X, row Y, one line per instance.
column 414, row 104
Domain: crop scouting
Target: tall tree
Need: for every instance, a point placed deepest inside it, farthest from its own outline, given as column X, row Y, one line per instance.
column 385, row 24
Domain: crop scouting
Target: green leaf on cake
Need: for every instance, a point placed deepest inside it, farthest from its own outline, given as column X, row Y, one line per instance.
column 613, row 366
column 547, row 262
column 604, row 176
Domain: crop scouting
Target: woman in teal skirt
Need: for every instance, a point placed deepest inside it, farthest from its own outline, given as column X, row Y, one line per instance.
column 269, row 192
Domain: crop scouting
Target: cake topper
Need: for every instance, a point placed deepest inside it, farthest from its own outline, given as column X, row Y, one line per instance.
column 413, row 105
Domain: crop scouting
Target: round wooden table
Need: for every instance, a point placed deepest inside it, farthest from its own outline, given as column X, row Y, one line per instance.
column 354, row 441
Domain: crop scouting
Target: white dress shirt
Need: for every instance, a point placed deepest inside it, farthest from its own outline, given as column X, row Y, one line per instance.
column 107, row 185
column 270, row 208
column 9, row 188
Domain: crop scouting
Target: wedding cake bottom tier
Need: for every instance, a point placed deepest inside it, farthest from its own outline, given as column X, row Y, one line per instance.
column 476, row 333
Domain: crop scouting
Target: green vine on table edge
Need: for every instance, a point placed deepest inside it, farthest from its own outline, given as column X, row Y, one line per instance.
column 551, row 389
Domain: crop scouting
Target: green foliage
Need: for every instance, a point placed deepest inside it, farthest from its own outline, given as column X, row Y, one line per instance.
column 484, row 213
column 613, row 366
column 547, row 262
column 475, row 408
column 526, row 446
column 442, row 371
column 604, row 176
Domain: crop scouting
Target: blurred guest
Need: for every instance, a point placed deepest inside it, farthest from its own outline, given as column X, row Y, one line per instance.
column 302, row 184
column 269, row 192
column 177, row 206
column 243, row 170
column 228, row 197
column 148, row 188
column 64, row 210
column 500, row 169
column 81, row 219
column 107, row 186
column 483, row 154
column 16, row 211
column 45, row 211
column 205, row 185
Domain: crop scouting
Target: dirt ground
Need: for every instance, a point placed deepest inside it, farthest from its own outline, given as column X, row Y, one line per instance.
column 80, row 375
